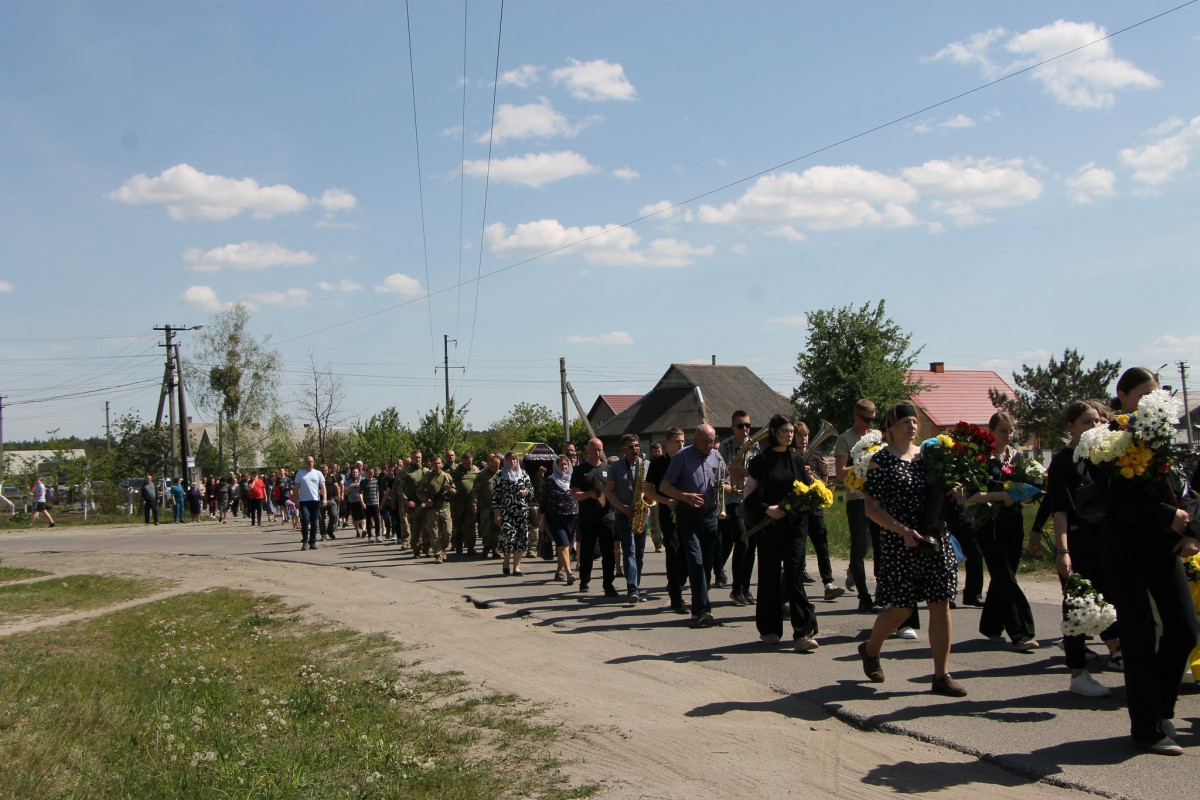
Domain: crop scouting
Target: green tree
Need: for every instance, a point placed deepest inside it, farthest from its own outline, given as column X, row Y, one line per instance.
column 1043, row 394
column 442, row 429
column 280, row 449
column 381, row 440
column 852, row 354
column 234, row 375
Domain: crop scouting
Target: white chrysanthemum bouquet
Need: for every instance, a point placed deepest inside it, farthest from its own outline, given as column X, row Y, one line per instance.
column 1137, row 446
column 860, row 458
column 1087, row 612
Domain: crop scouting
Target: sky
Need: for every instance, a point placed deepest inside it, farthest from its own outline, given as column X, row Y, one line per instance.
column 624, row 185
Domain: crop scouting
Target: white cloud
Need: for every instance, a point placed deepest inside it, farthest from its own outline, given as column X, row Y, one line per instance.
column 203, row 298
column 531, row 169
column 1159, row 161
column 1168, row 347
column 400, row 284
column 1089, row 183
column 247, row 255
column 6, row 287
column 958, row 121
column 615, row 337
column 341, row 286
column 608, row 245
column 820, row 198
column 795, row 321
column 333, row 200
column 1005, row 366
column 626, row 174
column 191, row 195
column 595, row 80
column 958, row 188
column 523, row 76
column 291, row 297
column 665, row 210
column 532, row 120
column 1087, row 78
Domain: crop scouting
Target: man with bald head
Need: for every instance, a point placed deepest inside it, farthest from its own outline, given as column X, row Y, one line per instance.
column 692, row 480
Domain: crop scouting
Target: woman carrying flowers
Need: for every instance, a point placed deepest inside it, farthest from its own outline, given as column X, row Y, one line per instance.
column 1077, row 546
column 914, row 565
column 1143, row 535
column 774, row 474
column 1006, row 610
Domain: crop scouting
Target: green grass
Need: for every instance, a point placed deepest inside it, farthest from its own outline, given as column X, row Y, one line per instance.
column 72, row 593
column 227, row 695
column 73, row 518
column 19, row 574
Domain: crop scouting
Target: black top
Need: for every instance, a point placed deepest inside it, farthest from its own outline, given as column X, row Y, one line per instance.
column 1063, row 479
column 590, row 510
column 774, row 474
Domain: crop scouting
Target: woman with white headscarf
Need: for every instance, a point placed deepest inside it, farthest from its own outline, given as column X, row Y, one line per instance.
column 558, row 514
column 512, row 492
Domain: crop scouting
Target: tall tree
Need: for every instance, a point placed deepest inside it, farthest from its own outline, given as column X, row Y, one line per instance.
column 381, row 440
column 852, row 354
column 320, row 400
column 442, row 429
column 235, row 375
column 1043, row 394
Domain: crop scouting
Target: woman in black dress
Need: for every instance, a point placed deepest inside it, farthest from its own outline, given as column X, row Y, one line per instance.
column 896, row 493
column 512, row 494
column 772, row 474
column 1142, row 537
column 1006, row 610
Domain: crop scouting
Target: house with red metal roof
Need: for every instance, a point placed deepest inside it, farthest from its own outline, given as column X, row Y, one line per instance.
column 608, row 406
column 952, row 396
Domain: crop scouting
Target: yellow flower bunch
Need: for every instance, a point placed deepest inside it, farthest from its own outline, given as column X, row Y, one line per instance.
column 823, row 496
column 853, row 480
column 1135, row 459
column 945, row 441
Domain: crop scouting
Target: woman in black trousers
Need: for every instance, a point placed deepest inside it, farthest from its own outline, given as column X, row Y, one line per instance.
column 1006, row 610
column 1142, row 537
column 773, row 473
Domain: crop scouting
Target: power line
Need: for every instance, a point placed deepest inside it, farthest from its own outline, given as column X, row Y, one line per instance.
column 480, row 275
column 486, row 185
column 420, row 177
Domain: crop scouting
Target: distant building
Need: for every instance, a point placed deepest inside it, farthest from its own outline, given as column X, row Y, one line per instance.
column 608, row 406
column 688, row 395
column 26, row 463
column 953, row 396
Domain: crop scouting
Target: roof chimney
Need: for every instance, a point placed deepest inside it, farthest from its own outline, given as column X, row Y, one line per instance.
column 714, row 360
column 937, row 367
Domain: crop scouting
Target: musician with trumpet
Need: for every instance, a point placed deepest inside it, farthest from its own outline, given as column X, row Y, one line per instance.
column 596, row 517
column 737, row 451
column 625, row 491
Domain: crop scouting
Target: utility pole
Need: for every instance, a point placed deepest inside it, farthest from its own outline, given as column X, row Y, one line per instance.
column 2, row 462
column 1187, row 411
column 172, row 383
column 562, row 380
column 446, row 340
column 107, row 426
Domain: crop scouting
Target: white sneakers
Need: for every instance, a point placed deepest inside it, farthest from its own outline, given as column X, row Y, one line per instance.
column 904, row 632
column 1087, row 686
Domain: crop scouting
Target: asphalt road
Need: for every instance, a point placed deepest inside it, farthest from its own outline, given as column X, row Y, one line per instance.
column 1018, row 713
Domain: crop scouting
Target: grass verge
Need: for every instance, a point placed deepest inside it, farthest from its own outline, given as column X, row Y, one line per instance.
column 72, row 593
column 8, row 574
column 225, row 694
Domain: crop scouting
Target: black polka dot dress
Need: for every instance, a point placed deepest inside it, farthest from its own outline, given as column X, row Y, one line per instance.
column 907, row 577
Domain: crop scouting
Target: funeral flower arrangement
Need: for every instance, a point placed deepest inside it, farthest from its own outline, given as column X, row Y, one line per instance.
column 1087, row 612
column 860, row 458
column 1023, row 480
column 803, row 497
column 959, row 456
column 1139, row 446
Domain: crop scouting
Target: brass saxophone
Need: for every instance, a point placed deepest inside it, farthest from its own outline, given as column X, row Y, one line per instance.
column 641, row 506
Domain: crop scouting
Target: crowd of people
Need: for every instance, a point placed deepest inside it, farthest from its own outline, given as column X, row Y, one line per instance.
column 697, row 502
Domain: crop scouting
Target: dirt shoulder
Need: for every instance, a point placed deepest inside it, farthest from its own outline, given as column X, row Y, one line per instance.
column 643, row 728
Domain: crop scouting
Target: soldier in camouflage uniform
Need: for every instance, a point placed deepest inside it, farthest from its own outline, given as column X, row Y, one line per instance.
column 482, row 494
column 462, row 506
column 435, row 491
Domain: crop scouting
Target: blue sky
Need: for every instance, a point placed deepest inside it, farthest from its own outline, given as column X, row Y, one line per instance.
column 162, row 160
